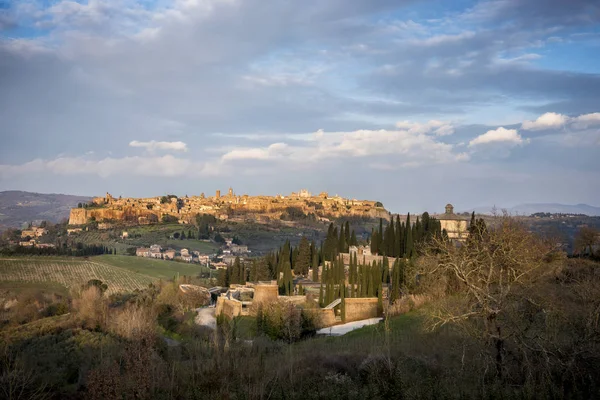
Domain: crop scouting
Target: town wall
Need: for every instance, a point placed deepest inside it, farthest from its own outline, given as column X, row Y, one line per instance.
column 228, row 307
column 265, row 293
column 231, row 205
column 78, row 216
column 361, row 308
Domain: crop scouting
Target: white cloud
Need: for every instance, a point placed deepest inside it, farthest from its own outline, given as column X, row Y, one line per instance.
column 154, row 145
column 500, row 135
column 164, row 166
column 412, row 145
column 586, row 120
column 548, row 120
column 438, row 128
column 274, row 151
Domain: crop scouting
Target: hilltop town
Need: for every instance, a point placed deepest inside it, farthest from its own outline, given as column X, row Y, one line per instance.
column 229, row 206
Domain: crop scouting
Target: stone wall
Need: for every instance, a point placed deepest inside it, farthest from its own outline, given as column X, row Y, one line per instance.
column 229, row 307
column 265, row 293
column 361, row 308
column 78, row 216
column 325, row 317
column 368, row 259
column 456, row 228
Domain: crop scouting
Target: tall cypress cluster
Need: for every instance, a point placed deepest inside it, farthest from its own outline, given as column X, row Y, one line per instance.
column 398, row 239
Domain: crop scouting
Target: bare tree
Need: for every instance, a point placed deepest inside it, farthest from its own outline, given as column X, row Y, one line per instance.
column 487, row 273
column 586, row 239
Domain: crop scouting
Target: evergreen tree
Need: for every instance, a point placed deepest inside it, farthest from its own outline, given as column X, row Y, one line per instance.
column 315, row 266
column 398, row 238
column 395, row 295
column 392, row 240
column 374, row 242
column 343, row 304
column 286, row 286
column 386, row 270
column 347, row 232
column 303, row 260
column 380, row 237
column 426, row 223
column 353, row 241
column 262, row 270
column 342, row 243
column 409, row 246
column 321, row 303
column 418, row 235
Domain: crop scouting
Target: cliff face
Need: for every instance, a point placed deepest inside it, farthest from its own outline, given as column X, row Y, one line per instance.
column 153, row 209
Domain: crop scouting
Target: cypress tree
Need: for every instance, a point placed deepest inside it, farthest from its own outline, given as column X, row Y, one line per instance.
column 398, row 237
column 409, row 247
column 303, row 260
column 392, row 240
column 348, row 236
column 395, row 281
column 353, row 241
column 380, row 236
column 315, row 263
column 321, row 295
column 386, row 270
column 342, row 244
column 374, row 242
column 370, row 282
column 343, row 304
column 352, row 275
column 426, row 223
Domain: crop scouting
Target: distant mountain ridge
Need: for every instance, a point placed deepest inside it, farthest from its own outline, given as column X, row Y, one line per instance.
column 17, row 207
column 553, row 208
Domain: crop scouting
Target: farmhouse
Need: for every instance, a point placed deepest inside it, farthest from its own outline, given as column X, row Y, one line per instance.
column 33, row 232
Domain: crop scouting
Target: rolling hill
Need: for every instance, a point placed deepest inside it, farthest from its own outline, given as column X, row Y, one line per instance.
column 17, row 207
column 553, row 208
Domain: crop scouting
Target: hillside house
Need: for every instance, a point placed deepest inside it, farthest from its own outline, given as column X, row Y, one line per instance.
column 169, row 254
column 219, row 265
column 155, row 251
column 142, row 252
column 33, row 232
column 239, row 249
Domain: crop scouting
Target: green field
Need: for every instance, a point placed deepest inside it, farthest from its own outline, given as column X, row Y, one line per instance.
column 120, row 273
column 160, row 269
column 71, row 272
column 144, row 236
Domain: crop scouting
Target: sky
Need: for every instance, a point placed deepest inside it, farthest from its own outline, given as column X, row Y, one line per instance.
column 412, row 103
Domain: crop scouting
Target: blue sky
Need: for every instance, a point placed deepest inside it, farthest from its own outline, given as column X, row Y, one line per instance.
column 413, row 103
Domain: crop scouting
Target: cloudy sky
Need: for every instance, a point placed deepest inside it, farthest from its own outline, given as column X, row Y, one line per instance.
column 413, row 103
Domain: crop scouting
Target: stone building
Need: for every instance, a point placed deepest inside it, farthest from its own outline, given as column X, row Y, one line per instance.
column 455, row 225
